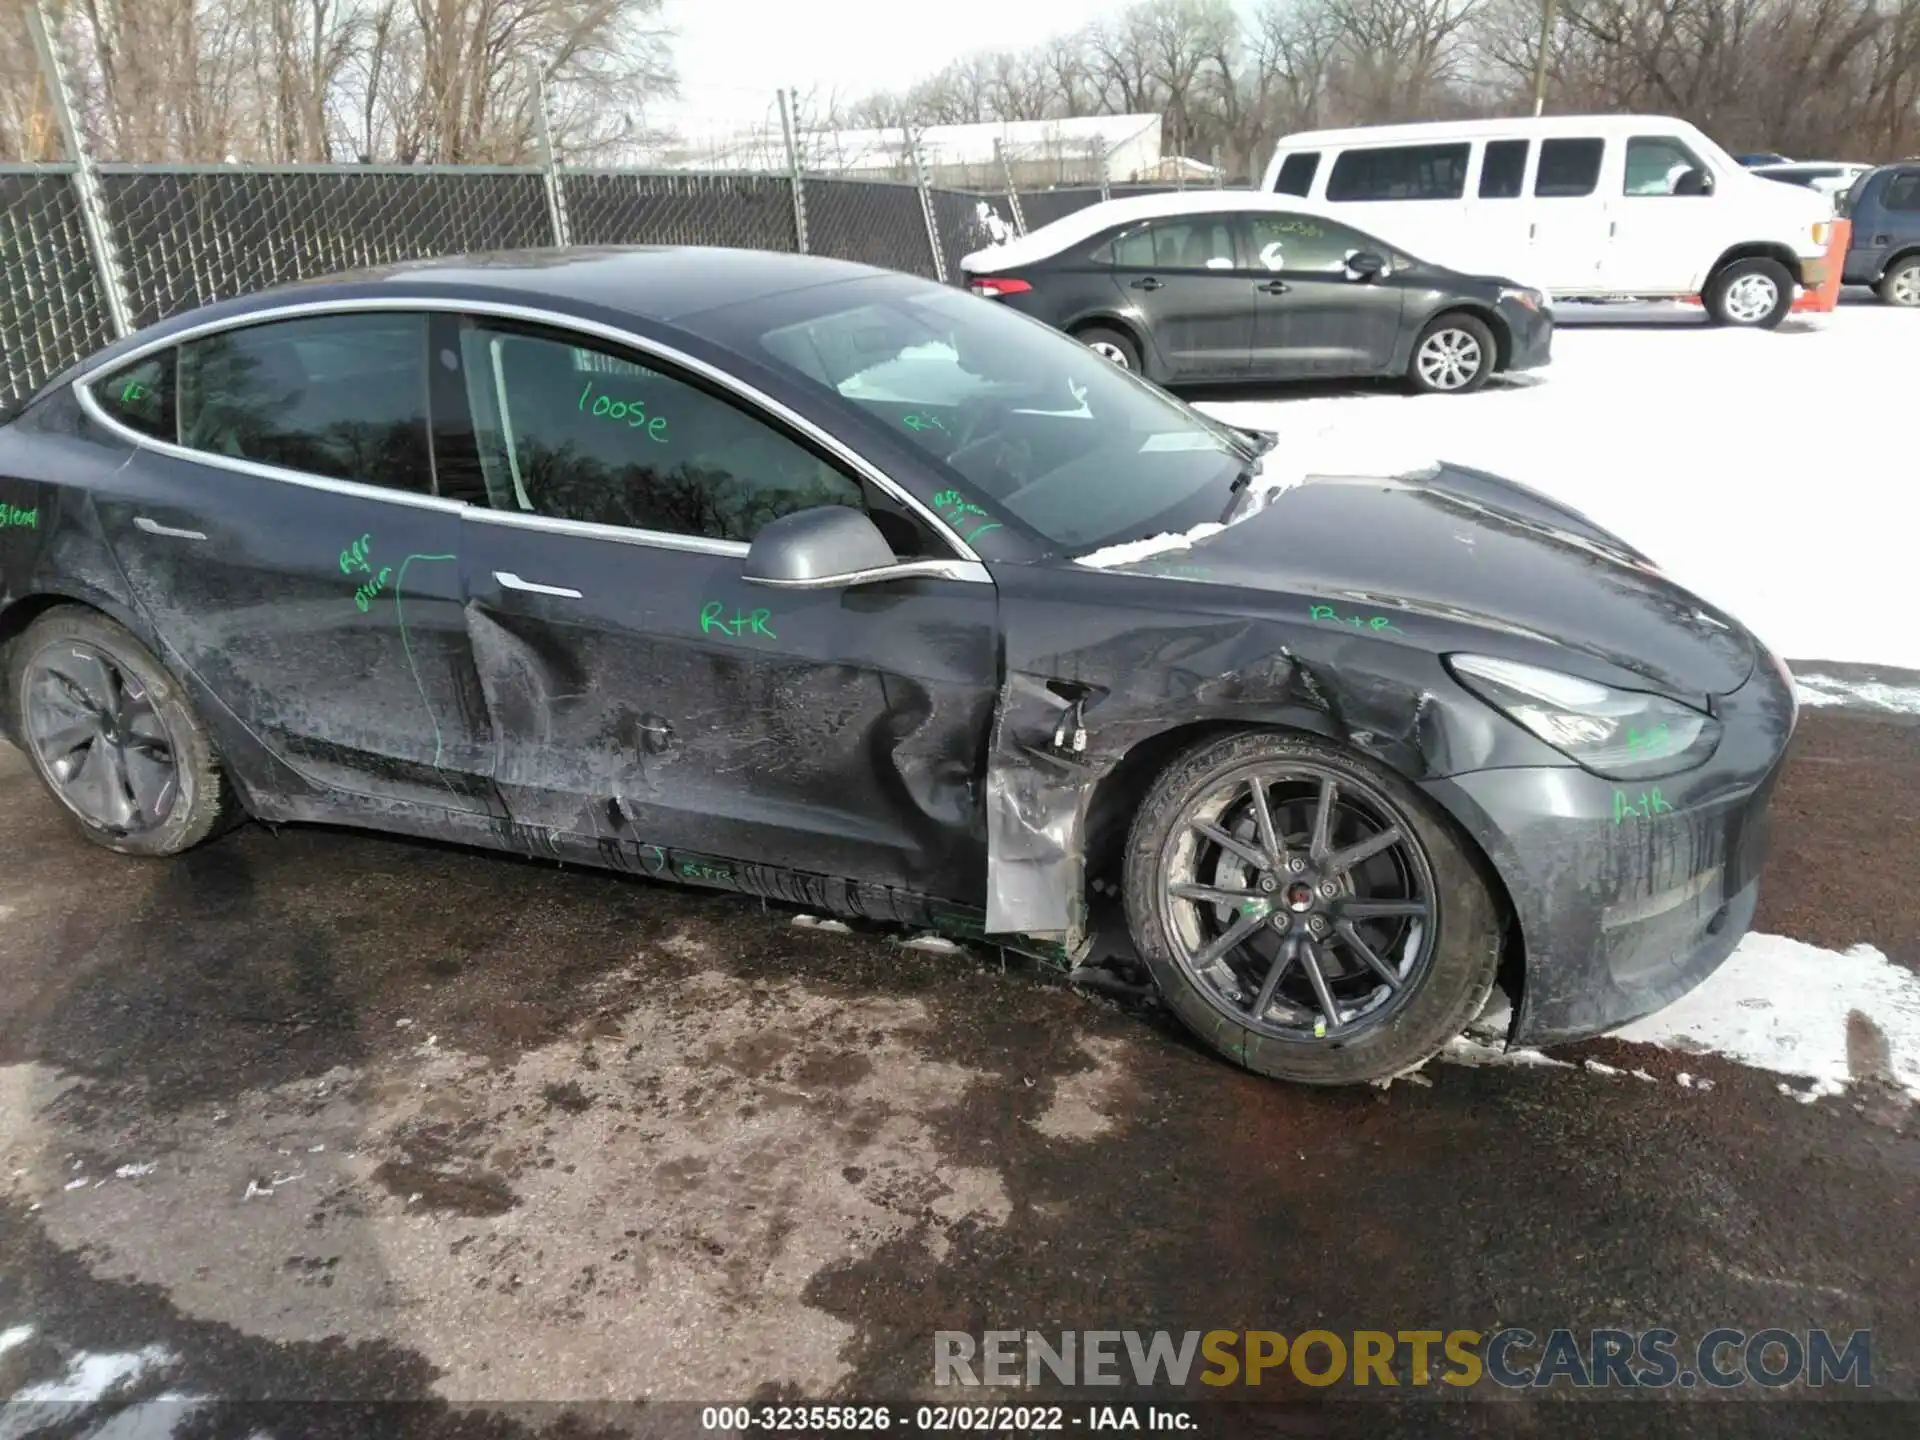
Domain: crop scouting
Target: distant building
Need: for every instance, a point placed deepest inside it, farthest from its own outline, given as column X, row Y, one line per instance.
column 1040, row 153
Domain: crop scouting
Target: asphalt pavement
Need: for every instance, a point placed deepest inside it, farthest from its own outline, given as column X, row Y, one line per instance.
column 313, row 1115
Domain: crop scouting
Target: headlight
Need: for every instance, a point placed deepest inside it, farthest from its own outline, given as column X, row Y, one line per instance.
column 1621, row 734
column 1532, row 299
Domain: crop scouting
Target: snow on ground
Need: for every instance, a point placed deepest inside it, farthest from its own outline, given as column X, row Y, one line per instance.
column 1861, row 694
column 1799, row 1010
column 1771, row 472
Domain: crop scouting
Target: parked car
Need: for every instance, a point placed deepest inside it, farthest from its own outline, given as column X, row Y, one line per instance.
column 1586, row 207
column 1763, row 157
column 1238, row 285
column 788, row 576
column 1884, row 206
column 1832, row 178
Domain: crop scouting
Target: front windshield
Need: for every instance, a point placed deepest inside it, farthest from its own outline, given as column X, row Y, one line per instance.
column 1026, row 420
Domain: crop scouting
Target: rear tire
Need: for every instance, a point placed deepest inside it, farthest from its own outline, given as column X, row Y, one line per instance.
column 113, row 736
column 1443, row 949
column 1110, row 344
column 1454, row 355
column 1753, row 294
column 1901, row 284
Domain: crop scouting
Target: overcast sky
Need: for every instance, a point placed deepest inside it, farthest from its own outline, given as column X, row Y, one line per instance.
column 733, row 54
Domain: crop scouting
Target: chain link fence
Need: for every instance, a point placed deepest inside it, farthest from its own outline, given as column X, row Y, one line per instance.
column 51, row 309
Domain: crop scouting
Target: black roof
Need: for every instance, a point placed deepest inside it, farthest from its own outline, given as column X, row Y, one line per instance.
column 662, row 284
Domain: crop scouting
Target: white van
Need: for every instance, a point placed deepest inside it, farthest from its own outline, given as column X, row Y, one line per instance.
column 1583, row 207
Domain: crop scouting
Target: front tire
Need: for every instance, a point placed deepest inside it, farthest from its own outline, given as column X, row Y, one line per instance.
column 1454, row 355
column 1754, row 294
column 113, row 737
column 1110, row 344
column 1901, row 284
column 1307, row 913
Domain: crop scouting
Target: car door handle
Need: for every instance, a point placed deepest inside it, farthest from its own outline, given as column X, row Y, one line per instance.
column 1148, row 284
column 1883, row 239
column 1274, row 287
column 513, row 582
column 172, row 532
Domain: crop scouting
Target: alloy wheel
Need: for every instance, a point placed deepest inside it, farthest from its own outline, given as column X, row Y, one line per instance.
column 1449, row 359
column 1299, row 902
column 100, row 739
column 1751, row 298
column 1107, row 350
column 1906, row 286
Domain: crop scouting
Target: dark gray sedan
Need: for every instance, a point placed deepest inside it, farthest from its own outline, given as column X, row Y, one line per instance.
column 1213, row 287
column 797, row 578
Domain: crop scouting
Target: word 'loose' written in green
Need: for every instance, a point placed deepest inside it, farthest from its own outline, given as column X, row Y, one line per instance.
column 754, row 623
column 632, row 413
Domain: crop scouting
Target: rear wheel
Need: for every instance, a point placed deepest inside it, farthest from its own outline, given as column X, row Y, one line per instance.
column 1110, row 344
column 1901, row 284
column 1307, row 913
column 113, row 737
column 1755, row 293
column 1454, row 355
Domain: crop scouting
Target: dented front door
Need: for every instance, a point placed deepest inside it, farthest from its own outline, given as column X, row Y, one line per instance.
column 646, row 697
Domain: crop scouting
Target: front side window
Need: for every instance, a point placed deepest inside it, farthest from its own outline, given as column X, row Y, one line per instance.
column 1568, row 168
column 1203, row 242
column 140, row 396
column 576, row 432
column 1296, row 243
column 1655, row 164
column 1297, row 172
column 1401, row 172
column 342, row 396
column 1903, row 192
column 1503, row 169
column 1017, row 422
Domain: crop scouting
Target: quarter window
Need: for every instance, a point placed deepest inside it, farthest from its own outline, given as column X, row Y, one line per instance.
column 1655, row 164
column 141, row 395
column 1568, row 168
column 1296, row 243
column 342, row 396
column 1400, row 172
column 577, row 433
column 1503, row 169
column 1297, row 172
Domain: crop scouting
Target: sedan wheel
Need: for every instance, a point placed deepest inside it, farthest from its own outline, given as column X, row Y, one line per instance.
column 112, row 737
column 1107, row 350
column 1304, row 915
column 1111, row 345
column 1454, row 355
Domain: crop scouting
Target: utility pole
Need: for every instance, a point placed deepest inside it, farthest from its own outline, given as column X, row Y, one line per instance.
column 1540, row 61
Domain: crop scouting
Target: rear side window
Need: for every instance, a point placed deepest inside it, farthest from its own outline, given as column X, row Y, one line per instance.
column 1400, row 172
column 140, row 396
column 341, row 396
column 1297, row 172
column 1503, row 170
column 1902, row 192
column 1204, row 242
column 1568, row 168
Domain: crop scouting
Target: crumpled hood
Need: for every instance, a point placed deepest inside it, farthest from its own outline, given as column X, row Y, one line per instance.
column 1479, row 549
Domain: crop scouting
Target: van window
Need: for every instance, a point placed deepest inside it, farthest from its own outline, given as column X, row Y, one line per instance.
column 1655, row 163
column 1400, row 172
column 1297, row 172
column 1503, row 170
column 1568, row 168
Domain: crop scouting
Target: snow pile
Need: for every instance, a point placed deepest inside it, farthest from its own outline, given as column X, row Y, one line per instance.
column 1725, row 455
column 1798, row 1010
column 1132, row 551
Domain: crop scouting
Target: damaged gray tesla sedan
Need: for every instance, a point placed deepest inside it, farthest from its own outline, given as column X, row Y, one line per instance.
column 798, row 578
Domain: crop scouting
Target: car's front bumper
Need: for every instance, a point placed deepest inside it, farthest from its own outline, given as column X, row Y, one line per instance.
column 1628, row 894
column 1532, row 335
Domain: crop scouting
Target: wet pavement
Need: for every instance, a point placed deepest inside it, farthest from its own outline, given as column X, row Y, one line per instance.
column 317, row 1115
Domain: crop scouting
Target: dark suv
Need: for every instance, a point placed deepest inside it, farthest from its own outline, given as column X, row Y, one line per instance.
column 1884, row 206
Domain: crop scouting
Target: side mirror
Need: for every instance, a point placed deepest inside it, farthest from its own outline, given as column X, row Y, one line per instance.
column 1693, row 182
column 1367, row 265
column 818, row 549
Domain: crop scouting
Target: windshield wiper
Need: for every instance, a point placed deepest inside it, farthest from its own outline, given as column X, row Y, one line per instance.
column 1260, row 448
